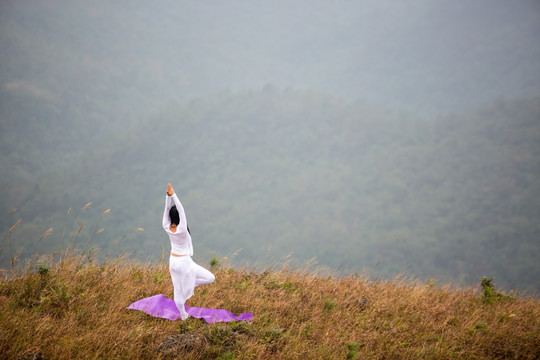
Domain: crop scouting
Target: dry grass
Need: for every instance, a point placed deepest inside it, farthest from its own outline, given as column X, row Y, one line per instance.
column 78, row 310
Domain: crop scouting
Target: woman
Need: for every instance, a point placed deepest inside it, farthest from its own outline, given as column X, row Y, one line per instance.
column 185, row 273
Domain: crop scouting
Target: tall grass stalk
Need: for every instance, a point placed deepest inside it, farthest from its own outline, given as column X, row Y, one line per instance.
column 43, row 236
column 71, row 241
column 8, row 233
column 119, row 241
column 65, row 223
column 12, row 254
column 94, row 232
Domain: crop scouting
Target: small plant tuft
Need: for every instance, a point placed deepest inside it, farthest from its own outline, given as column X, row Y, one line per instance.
column 158, row 278
column 214, row 263
column 329, row 305
column 185, row 327
column 480, row 326
column 227, row 356
column 490, row 295
column 353, row 349
column 43, row 269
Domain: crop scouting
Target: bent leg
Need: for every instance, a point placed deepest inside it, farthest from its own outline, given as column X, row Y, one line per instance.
column 202, row 276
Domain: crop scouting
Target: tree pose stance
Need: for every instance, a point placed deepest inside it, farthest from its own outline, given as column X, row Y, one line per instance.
column 185, row 273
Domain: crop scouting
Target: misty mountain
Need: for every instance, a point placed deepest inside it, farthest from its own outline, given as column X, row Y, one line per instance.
column 381, row 137
column 357, row 187
column 107, row 62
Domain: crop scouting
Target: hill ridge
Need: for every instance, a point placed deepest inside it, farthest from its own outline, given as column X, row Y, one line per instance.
column 77, row 309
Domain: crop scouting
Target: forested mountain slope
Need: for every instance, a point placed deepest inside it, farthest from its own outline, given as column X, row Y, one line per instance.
column 278, row 172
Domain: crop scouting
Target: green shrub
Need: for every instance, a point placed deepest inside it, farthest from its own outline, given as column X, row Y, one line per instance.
column 43, row 269
column 214, row 263
column 490, row 295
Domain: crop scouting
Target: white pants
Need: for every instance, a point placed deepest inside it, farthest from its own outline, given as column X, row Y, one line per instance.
column 185, row 275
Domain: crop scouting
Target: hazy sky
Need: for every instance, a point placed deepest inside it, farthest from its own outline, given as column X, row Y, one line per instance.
column 430, row 56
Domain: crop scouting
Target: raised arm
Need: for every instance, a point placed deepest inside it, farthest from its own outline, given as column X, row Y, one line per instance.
column 181, row 212
column 166, row 219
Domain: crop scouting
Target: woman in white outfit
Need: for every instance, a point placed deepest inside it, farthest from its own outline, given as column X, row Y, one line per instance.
column 185, row 273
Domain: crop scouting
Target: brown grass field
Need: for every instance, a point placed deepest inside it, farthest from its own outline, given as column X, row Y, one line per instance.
column 72, row 309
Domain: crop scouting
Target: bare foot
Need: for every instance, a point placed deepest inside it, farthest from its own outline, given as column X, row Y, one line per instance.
column 170, row 190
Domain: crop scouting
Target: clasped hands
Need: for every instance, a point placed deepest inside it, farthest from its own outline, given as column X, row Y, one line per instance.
column 170, row 191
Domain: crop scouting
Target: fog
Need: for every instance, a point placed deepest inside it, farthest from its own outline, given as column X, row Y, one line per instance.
column 273, row 106
column 432, row 57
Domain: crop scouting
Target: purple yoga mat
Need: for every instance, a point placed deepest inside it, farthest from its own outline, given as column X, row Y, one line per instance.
column 160, row 306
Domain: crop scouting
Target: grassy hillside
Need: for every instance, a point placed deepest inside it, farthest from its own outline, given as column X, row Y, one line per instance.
column 73, row 308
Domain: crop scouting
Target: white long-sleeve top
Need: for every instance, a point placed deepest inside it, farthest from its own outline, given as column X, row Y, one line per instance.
column 181, row 239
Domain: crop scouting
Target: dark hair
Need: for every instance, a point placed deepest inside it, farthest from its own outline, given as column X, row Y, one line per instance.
column 173, row 214
column 175, row 217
